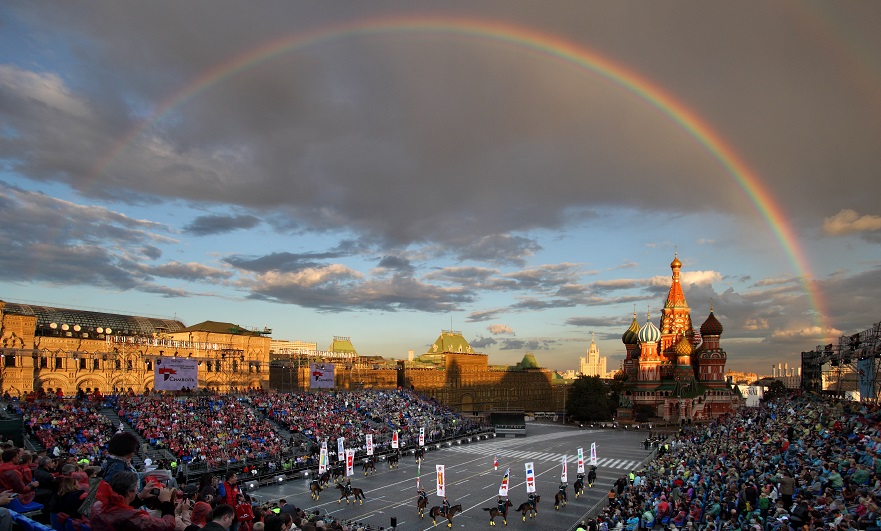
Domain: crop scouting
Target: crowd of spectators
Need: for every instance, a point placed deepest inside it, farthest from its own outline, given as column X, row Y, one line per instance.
column 796, row 463
column 213, row 429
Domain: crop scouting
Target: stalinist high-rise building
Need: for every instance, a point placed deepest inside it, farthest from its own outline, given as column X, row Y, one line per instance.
column 593, row 364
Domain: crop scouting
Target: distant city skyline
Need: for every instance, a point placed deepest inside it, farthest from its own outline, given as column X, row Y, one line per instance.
column 391, row 169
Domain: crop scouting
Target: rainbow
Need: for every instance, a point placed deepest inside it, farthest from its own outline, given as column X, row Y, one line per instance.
column 537, row 42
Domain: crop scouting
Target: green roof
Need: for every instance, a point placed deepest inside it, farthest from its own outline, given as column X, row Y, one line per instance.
column 342, row 344
column 451, row 342
column 529, row 362
column 216, row 327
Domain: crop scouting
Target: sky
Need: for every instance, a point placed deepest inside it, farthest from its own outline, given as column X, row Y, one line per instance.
column 522, row 172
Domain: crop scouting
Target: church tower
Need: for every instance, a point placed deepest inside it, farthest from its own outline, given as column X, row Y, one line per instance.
column 675, row 316
column 631, row 344
column 649, row 358
column 711, row 357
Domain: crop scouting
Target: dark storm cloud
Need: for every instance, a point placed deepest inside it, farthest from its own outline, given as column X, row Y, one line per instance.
column 323, row 138
column 282, row 262
column 210, row 225
column 482, row 342
column 335, row 288
column 526, row 344
column 396, row 263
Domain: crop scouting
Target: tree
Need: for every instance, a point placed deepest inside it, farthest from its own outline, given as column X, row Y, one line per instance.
column 588, row 400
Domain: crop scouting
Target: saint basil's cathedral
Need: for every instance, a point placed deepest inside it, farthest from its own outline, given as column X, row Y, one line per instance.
column 673, row 370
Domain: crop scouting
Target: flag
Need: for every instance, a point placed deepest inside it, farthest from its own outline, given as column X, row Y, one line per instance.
column 395, row 439
column 441, row 491
column 530, row 478
column 496, row 463
column 503, row 489
column 581, row 460
column 350, row 462
column 322, row 460
column 593, row 454
column 341, row 448
column 421, row 436
column 369, row 443
column 418, row 472
column 564, row 476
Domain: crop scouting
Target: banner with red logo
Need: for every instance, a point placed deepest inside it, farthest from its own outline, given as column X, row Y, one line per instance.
column 350, row 462
column 369, row 443
column 441, row 490
column 503, row 489
column 395, row 439
column 530, row 478
column 564, row 475
column 173, row 374
column 421, row 436
column 593, row 454
column 322, row 458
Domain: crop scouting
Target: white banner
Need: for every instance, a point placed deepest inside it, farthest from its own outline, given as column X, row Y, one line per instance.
column 395, row 439
column 564, row 476
column 581, row 460
column 368, row 443
column 322, row 459
column 530, row 478
column 350, row 462
column 441, row 490
column 593, row 454
column 421, row 436
column 321, row 375
column 173, row 374
column 341, row 448
column 503, row 489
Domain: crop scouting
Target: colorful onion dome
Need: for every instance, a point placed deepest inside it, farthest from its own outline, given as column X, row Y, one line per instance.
column 630, row 336
column 712, row 326
column 649, row 333
column 683, row 347
column 675, row 263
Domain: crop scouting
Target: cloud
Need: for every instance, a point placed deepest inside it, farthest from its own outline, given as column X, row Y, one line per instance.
column 191, row 271
column 500, row 329
column 848, row 221
column 210, row 225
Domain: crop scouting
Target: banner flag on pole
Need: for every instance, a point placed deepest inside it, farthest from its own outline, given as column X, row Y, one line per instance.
column 421, row 436
column 322, row 460
column 530, row 478
column 350, row 462
column 581, row 460
column 418, row 472
column 593, row 454
column 503, row 489
column 564, row 476
column 395, row 439
column 341, row 448
column 496, row 463
column 369, row 443
column 441, row 491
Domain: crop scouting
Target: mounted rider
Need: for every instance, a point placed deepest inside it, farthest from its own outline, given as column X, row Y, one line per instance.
column 502, row 506
column 531, row 500
column 348, row 488
column 563, row 487
column 591, row 477
column 445, row 506
column 422, row 495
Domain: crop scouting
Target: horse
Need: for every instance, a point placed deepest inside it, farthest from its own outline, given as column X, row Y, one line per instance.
column 324, row 478
column 493, row 512
column 368, row 466
column 419, row 453
column 436, row 511
column 421, row 504
column 336, row 472
column 527, row 507
column 591, row 477
column 558, row 498
column 357, row 493
column 393, row 460
column 314, row 490
column 578, row 487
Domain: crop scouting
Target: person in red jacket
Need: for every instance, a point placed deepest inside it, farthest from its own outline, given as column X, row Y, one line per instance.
column 11, row 478
column 117, row 514
column 244, row 513
column 229, row 492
